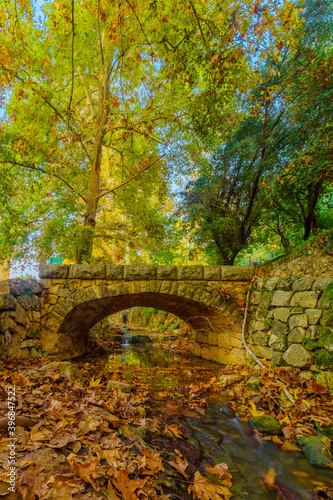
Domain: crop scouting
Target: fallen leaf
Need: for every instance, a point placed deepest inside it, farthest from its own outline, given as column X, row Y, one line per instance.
column 181, row 464
column 222, row 470
column 203, row 489
column 176, row 431
column 289, row 446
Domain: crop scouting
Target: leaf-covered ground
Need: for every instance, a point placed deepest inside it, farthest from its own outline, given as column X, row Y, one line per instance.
column 81, row 439
column 84, row 439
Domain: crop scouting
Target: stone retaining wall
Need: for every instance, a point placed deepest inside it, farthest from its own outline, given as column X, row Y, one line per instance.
column 291, row 322
column 20, row 328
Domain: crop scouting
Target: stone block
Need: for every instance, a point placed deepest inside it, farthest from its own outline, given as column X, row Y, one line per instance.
column 197, row 349
column 35, row 286
column 142, row 272
column 19, row 315
column 114, row 272
column 270, row 283
column 28, row 343
column 212, row 273
column 285, row 283
column 312, row 332
column 278, row 342
column 25, row 301
column 298, row 320
column 265, row 300
column 251, row 327
column 166, row 272
column 259, row 338
column 14, row 286
column 255, row 297
column 202, row 337
column 263, row 352
column 279, row 328
column 214, row 354
column 305, row 299
column 296, row 335
column 205, row 352
column 281, row 313
column 325, row 378
column 306, row 375
column 281, row 298
column 190, row 272
column 314, row 315
column 260, row 325
column 321, row 283
column 298, row 355
column 87, row 271
column 14, row 346
column 222, row 356
column 302, row 284
column 237, row 273
column 324, row 303
column 260, row 283
column 296, row 310
column 4, row 322
column 277, row 358
column 53, row 271
column 7, row 302
column 237, row 356
column 64, row 292
column 213, row 338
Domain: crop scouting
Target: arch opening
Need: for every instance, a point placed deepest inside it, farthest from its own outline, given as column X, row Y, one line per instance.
column 212, row 325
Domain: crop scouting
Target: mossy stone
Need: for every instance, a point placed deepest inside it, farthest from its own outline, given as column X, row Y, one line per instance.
column 326, row 340
column 265, row 424
column 325, row 378
column 253, row 384
column 327, row 318
column 316, row 449
column 326, row 431
column 324, row 358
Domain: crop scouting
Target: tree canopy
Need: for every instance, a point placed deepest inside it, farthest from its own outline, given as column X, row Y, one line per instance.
column 104, row 99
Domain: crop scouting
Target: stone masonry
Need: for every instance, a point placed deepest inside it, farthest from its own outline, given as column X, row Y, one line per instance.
column 291, row 322
column 71, row 299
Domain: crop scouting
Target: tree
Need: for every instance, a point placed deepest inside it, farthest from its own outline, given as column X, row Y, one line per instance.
column 119, row 76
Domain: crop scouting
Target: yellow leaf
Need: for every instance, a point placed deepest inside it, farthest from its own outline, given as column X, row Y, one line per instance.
column 254, row 411
column 95, row 383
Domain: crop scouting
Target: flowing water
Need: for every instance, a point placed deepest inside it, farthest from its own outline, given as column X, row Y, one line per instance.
column 219, row 434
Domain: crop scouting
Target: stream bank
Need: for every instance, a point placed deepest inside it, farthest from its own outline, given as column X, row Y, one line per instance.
column 91, row 440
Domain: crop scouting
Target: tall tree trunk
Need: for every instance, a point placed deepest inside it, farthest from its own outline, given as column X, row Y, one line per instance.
column 85, row 248
column 310, row 220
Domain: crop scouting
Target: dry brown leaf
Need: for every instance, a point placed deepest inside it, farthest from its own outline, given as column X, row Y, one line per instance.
column 150, row 463
column 222, row 470
column 181, row 464
column 203, row 489
column 175, row 430
column 87, row 471
column 126, row 486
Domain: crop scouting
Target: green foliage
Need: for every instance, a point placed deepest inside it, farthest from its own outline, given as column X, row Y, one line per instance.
column 273, row 181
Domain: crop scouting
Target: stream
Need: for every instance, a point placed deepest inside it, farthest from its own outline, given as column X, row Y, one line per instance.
column 218, row 433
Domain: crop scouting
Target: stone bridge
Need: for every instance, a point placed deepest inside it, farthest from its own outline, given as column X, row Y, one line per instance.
column 70, row 299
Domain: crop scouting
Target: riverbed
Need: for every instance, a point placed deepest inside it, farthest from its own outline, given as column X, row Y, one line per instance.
column 217, row 432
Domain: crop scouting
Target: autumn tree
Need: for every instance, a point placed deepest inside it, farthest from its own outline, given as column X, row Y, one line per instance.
column 119, row 77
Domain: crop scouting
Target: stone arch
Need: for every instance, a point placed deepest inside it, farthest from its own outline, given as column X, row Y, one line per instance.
column 215, row 319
